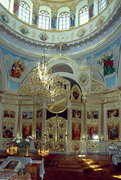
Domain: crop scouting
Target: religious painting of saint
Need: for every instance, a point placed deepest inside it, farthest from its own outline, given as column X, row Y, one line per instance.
column 7, row 129
column 113, row 113
column 54, row 21
column 39, row 114
column 4, row 17
column 76, row 131
column 107, row 62
column 92, row 132
column 43, row 36
column 8, row 114
column 17, row 68
column 24, row 30
column 79, row 113
column 16, row 6
column 38, row 130
column 76, row 113
column 75, row 95
column 26, row 130
column 91, row 8
column 35, row 16
column 27, row 115
column 113, row 131
column 92, row 114
column 72, row 20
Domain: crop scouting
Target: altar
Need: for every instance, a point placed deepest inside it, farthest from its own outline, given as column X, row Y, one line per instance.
column 12, row 165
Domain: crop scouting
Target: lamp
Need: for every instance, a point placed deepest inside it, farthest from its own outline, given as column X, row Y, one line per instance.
column 12, row 150
column 43, row 152
column 42, row 85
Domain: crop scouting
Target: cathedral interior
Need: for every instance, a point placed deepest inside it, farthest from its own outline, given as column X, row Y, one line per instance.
column 76, row 105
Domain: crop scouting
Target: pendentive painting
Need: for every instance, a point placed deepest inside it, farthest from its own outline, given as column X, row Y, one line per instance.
column 113, row 113
column 8, row 114
column 39, row 114
column 27, row 115
column 26, row 130
column 7, row 129
column 113, row 131
column 92, row 132
column 76, row 131
column 38, row 130
column 76, row 113
column 92, row 114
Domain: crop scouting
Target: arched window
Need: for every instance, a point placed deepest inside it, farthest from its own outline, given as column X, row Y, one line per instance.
column 64, row 21
column 24, row 12
column 5, row 3
column 83, row 15
column 102, row 5
column 44, row 20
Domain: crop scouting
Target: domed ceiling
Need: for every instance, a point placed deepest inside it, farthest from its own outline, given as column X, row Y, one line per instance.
column 59, row 1
column 55, row 3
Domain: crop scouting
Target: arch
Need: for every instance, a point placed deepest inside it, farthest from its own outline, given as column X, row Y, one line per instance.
column 62, row 68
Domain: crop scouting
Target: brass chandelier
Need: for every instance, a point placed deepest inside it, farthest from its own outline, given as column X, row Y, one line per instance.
column 42, row 86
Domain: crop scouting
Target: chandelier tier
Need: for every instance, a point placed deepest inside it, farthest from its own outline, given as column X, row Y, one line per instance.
column 42, row 85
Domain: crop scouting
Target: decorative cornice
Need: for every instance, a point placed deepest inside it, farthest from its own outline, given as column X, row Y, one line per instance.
column 88, row 39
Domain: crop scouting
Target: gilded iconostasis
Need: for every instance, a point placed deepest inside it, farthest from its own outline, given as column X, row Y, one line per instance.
column 87, row 60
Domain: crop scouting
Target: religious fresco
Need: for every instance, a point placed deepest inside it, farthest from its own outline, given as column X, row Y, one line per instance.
column 24, row 30
column 113, row 131
column 35, row 16
column 4, row 17
column 108, row 56
column 100, row 21
column 43, row 36
column 106, row 62
column 16, row 6
column 72, row 19
column 91, row 8
column 17, row 68
column 54, row 21
column 81, row 32
column 71, row 34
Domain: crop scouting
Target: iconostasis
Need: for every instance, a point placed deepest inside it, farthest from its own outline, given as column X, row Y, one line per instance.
column 88, row 124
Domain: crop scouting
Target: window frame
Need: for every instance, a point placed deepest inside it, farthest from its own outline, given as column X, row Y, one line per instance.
column 102, row 4
column 84, row 12
column 24, row 9
column 63, row 22
column 45, row 19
